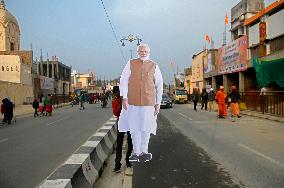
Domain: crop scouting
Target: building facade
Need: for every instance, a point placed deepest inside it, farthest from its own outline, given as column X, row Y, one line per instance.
column 261, row 37
column 15, row 65
column 242, row 11
column 85, row 81
column 54, row 77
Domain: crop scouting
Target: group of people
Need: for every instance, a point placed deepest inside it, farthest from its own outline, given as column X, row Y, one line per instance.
column 82, row 97
column 205, row 97
column 221, row 98
column 7, row 108
column 43, row 105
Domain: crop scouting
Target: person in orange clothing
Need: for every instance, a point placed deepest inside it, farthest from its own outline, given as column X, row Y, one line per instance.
column 234, row 97
column 221, row 100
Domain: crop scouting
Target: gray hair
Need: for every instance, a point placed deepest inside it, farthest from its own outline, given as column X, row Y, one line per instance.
column 143, row 45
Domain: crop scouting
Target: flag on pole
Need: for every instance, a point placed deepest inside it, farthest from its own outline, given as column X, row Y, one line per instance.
column 226, row 19
column 207, row 38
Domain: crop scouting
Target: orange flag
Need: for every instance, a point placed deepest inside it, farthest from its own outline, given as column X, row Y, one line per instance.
column 207, row 38
column 226, row 19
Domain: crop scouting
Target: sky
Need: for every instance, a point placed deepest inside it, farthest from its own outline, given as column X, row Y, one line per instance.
column 79, row 34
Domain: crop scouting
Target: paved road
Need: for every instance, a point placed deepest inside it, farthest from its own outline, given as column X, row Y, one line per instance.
column 194, row 149
column 32, row 148
column 250, row 149
column 177, row 162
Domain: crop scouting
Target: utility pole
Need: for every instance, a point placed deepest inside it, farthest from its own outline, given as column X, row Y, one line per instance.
column 130, row 38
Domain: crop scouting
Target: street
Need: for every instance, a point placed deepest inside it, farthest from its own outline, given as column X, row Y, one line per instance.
column 33, row 148
column 195, row 149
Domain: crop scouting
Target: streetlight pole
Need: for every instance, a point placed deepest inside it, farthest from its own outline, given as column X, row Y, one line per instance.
column 130, row 38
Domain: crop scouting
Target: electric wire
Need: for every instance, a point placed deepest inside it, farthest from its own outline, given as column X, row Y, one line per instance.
column 109, row 21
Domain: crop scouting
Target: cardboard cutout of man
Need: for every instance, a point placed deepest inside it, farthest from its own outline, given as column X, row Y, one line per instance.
column 141, row 86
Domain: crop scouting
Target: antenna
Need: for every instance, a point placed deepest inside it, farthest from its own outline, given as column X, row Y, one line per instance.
column 41, row 55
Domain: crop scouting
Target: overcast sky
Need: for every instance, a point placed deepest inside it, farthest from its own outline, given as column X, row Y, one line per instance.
column 78, row 33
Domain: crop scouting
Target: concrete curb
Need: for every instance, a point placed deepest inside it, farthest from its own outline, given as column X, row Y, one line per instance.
column 61, row 105
column 263, row 116
column 82, row 168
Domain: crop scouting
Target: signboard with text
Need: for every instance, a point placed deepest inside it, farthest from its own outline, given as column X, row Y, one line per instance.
column 233, row 56
column 10, row 68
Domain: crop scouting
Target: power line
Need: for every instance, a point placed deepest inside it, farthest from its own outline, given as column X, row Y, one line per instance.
column 117, row 42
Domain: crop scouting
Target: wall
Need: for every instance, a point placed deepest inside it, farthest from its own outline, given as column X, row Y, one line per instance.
column 18, row 93
column 10, row 68
column 275, row 24
column 254, row 34
column 197, row 70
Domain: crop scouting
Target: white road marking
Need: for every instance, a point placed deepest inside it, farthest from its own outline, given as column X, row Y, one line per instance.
column 262, row 155
column 3, row 140
column 56, row 121
column 172, row 109
column 186, row 117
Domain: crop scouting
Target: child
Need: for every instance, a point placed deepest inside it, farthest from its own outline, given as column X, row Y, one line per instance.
column 116, row 108
column 35, row 106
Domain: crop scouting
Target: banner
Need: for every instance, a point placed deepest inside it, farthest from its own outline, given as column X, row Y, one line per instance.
column 179, row 80
column 233, row 57
column 46, row 83
column 207, row 67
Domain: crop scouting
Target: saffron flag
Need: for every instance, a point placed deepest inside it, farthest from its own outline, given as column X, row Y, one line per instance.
column 207, row 38
column 226, row 19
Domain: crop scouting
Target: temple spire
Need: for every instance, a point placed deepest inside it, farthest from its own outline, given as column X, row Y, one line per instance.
column 2, row 4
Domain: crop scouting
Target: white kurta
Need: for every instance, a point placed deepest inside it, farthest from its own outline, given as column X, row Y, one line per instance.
column 139, row 118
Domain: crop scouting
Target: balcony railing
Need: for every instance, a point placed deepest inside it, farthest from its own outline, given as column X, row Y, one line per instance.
column 271, row 102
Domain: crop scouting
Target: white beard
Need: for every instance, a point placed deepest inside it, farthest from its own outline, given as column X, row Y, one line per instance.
column 145, row 58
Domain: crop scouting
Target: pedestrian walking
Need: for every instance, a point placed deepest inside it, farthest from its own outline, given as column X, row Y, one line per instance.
column 116, row 108
column 211, row 98
column 3, row 111
column 234, row 96
column 221, row 100
column 204, row 99
column 35, row 106
column 141, row 86
column 195, row 98
column 44, row 99
column 48, row 105
column 8, row 113
column 82, row 99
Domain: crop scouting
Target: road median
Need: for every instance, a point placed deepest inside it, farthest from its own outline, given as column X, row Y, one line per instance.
column 82, row 168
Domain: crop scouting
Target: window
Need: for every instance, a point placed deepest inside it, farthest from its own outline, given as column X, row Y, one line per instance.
column 12, row 48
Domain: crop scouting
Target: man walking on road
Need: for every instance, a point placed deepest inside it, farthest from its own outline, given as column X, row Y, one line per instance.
column 141, row 86
column 195, row 98
column 221, row 100
column 204, row 99
column 82, row 99
column 211, row 98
